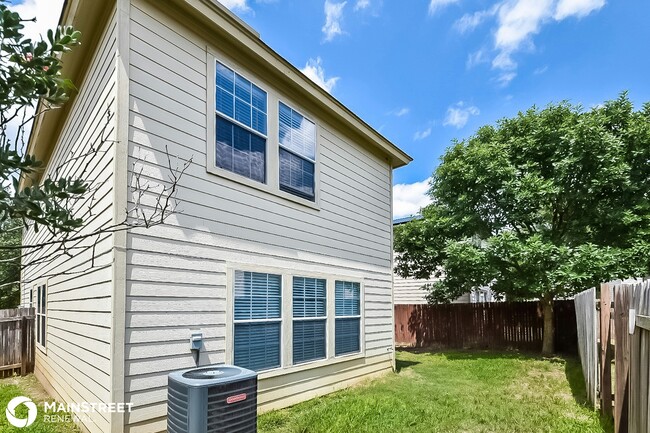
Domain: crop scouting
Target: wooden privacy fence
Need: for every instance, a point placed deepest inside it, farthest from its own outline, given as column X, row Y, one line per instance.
column 586, row 316
column 16, row 341
column 624, row 339
column 497, row 325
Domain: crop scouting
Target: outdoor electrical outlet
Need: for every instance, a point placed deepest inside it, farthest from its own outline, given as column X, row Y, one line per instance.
column 196, row 340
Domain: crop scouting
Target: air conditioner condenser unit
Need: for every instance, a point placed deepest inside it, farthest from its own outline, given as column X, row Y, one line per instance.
column 213, row 399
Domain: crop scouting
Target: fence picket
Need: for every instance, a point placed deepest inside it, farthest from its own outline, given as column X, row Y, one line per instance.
column 585, row 307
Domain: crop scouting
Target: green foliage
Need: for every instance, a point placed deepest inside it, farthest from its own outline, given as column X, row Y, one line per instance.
column 31, row 71
column 547, row 203
column 11, row 236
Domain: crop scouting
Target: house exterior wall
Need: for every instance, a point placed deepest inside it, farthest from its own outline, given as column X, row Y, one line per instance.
column 179, row 275
column 410, row 291
column 75, row 364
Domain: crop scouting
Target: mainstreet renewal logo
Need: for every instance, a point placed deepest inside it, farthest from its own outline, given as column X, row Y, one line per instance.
column 11, row 412
column 59, row 412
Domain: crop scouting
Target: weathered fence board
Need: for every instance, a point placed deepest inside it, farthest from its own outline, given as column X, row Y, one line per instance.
column 639, row 409
column 622, row 299
column 497, row 325
column 587, row 325
column 606, row 349
column 16, row 341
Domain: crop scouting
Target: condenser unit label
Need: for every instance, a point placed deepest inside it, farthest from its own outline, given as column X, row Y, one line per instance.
column 236, row 398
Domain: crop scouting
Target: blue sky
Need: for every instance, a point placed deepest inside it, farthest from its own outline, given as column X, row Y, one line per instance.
column 425, row 72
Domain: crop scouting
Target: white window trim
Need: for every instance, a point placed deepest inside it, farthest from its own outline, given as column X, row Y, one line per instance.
column 272, row 185
column 286, row 336
column 42, row 346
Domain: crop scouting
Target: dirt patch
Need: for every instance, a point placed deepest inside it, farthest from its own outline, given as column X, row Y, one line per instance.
column 30, row 385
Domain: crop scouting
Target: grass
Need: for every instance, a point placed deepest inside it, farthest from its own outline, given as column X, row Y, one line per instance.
column 29, row 387
column 467, row 392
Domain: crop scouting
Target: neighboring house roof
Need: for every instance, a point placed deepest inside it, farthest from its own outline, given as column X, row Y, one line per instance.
column 207, row 16
column 398, row 221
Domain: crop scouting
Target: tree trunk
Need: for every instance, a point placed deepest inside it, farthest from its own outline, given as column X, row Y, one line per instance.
column 548, row 338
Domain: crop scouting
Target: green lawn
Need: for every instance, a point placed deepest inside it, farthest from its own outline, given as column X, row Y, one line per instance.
column 453, row 392
column 29, row 387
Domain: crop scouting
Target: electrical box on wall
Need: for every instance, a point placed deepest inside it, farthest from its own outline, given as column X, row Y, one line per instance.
column 196, row 340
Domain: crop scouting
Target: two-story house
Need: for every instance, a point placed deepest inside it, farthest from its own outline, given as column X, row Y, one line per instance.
column 280, row 253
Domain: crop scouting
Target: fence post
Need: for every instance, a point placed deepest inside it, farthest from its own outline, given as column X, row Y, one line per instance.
column 23, row 346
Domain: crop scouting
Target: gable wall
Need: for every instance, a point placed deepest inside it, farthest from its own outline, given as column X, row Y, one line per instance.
column 75, row 365
column 177, row 273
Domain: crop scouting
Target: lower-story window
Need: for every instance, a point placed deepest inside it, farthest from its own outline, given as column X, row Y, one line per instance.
column 309, row 319
column 348, row 318
column 41, row 313
column 257, row 327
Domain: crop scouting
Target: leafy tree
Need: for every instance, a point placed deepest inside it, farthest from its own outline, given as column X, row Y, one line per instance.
column 540, row 206
column 29, row 71
column 10, row 265
column 31, row 83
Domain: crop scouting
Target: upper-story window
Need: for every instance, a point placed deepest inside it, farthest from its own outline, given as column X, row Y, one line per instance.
column 241, row 125
column 297, row 139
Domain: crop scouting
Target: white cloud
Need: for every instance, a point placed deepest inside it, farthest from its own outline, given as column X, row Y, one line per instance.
column 361, row 4
column 421, row 135
column 519, row 20
column 435, row 5
column 469, row 22
column 578, row 8
column 540, row 71
column 333, row 16
column 458, row 114
column 409, row 198
column 476, row 58
column 46, row 12
column 504, row 61
column 314, row 70
column 235, row 5
column 505, row 78
column 400, row 112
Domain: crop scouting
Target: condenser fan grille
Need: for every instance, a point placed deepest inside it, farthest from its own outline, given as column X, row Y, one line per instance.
column 212, row 373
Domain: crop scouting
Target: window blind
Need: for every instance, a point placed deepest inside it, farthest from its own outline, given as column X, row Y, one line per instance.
column 258, row 308
column 348, row 317
column 309, row 324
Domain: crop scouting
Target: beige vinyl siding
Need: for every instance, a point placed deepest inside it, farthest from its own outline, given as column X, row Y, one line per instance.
column 77, row 362
column 411, row 291
column 177, row 272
